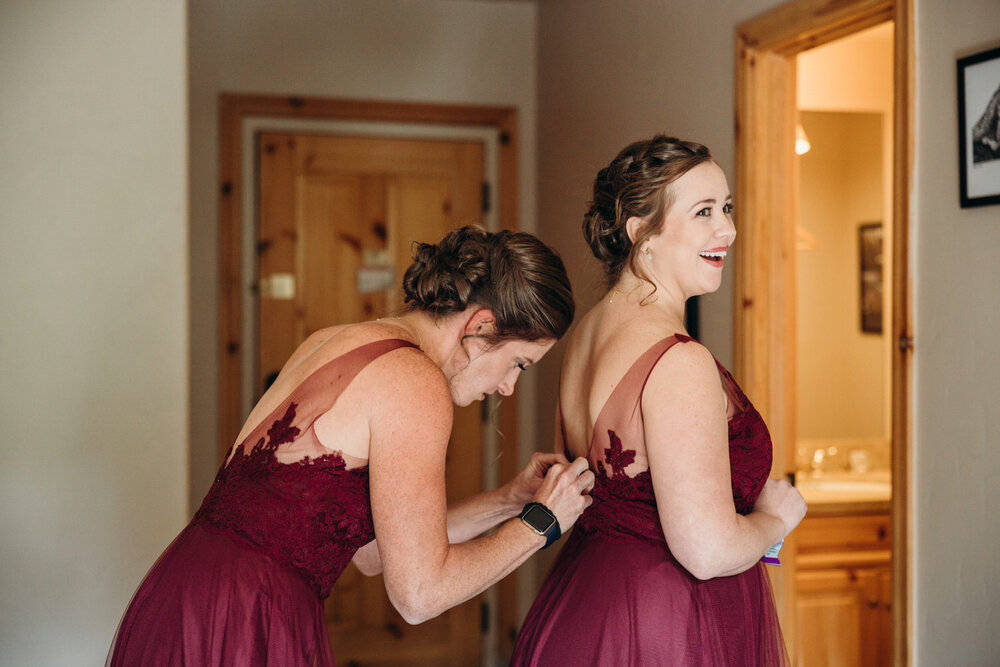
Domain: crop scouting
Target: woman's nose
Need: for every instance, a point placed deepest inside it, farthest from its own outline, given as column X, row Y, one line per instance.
column 727, row 231
column 506, row 387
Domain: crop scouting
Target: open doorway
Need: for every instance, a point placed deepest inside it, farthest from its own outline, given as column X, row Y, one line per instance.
column 842, row 581
column 843, row 388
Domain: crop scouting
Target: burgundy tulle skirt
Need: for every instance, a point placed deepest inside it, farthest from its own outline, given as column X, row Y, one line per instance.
column 630, row 603
column 213, row 599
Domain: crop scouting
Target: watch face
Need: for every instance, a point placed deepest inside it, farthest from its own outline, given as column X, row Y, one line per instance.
column 538, row 518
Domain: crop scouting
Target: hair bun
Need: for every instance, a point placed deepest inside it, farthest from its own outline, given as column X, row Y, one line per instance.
column 513, row 274
column 635, row 184
column 602, row 227
column 444, row 277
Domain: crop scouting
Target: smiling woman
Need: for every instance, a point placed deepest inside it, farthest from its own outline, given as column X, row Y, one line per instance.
column 665, row 568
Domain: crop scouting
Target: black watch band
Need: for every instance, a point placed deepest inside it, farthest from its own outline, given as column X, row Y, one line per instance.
column 540, row 519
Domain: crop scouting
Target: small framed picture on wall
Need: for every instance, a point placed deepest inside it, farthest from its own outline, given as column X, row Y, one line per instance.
column 979, row 128
column 870, row 256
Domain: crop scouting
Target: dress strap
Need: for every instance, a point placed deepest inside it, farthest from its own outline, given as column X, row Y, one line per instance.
column 320, row 390
column 622, row 410
column 323, row 387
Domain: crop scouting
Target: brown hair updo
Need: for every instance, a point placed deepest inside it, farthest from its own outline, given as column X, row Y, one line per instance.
column 635, row 184
column 513, row 274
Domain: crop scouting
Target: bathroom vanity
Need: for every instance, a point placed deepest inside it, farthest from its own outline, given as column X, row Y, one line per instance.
column 843, row 572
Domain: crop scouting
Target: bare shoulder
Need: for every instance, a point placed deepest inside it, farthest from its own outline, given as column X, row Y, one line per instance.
column 686, row 364
column 308, row 348
column 409, row 367
column 408, row 405
column 408, row 383
column 687, row 378
column 689, row 353
column 403, row 374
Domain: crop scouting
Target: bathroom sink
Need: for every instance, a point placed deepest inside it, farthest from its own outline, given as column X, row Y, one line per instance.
column 845, row 488
column 847, row 485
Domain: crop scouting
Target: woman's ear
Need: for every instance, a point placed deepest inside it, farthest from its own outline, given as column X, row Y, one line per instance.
column 481, row 322
column 633, row 226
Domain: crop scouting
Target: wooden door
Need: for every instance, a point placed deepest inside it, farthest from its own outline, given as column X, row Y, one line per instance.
column 338, row 217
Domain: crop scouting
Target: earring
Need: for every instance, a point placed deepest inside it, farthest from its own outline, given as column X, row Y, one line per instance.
column 649, row 253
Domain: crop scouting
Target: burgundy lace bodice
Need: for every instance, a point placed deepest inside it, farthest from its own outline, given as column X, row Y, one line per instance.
column 624, row 505
column 310, row 515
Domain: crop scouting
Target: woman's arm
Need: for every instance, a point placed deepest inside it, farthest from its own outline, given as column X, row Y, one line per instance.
column 477, row 514
column 424, row 573
column 474, row 516
column 687, row 441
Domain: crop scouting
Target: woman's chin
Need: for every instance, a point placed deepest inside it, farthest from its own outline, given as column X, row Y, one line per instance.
column 464, row 401
column 710, row 288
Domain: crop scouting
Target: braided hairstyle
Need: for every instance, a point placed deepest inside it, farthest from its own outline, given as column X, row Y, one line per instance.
column 636, row 184
column 513, row 274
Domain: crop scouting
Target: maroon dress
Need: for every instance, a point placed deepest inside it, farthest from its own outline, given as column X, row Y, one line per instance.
column 244, row 582
column 616, row 595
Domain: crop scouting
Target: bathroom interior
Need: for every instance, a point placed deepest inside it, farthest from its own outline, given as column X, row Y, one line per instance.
column 842, row 569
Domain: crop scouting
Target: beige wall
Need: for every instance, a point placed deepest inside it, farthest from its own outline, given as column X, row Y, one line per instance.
column 867, row 56
column 445, row 51
column 93, row 316
column 839, row 367
column 957, row 379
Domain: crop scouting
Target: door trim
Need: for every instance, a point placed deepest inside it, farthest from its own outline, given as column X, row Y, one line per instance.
column 766, row 180
column 253, row 125
column 235, row 109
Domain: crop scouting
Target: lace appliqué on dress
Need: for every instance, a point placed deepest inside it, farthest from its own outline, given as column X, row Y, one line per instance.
column 617, row 458
column 310, row 515
column 282, row 430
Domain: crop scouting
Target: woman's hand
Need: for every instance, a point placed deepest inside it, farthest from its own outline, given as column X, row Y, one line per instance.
column 783, row 501
column 471, row 517
column 566, row 490
column 521, row 490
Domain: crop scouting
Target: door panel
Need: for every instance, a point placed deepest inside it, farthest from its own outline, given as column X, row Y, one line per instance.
column 338, row 218
column 829, row 619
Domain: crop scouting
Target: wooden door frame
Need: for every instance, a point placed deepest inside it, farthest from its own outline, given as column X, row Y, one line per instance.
column 766, row 183
column 234, row 108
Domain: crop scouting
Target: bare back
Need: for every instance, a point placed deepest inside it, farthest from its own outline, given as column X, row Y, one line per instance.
column 601, row 350
column 346, row 422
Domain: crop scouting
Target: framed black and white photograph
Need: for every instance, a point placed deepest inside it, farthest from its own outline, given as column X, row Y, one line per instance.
column 979, row 128
column 870, row 256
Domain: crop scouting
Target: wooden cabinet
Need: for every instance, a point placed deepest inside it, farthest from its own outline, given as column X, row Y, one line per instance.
column 843, row 591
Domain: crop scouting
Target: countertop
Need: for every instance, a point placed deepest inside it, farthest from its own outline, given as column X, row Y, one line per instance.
column 828, row 493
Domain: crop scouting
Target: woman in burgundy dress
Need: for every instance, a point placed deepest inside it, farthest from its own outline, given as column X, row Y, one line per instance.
column 349, row 444
column 664, row 568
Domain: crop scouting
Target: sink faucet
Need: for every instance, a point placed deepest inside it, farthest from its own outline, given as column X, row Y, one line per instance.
column 817, row 461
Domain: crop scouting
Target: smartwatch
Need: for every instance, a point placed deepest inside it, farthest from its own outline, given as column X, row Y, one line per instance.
column 540, row 519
